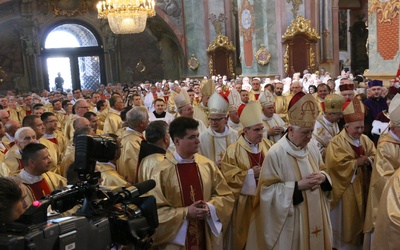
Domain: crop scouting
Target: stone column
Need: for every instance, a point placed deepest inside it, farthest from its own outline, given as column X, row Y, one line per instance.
column 258, row 25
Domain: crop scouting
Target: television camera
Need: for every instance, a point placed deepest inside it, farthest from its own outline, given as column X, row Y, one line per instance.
column 103, row 218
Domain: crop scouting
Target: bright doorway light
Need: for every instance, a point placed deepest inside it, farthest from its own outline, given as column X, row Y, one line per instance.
column 60, row 65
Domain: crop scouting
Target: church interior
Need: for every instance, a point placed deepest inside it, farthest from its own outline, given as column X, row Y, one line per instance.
column 192, row 39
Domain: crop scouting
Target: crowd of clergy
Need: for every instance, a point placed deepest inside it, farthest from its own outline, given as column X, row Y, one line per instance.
column 308, row 162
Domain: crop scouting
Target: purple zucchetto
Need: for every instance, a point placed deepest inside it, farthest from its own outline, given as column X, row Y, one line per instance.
column 375, row 83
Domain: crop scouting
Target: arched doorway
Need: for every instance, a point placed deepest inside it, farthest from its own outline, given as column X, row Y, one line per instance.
column 75, row 52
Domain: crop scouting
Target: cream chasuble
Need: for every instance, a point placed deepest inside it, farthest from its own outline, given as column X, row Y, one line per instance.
column 278, row 224
column 323, row 133
column 213, row 145
column 270, row 122
column 172, row 212
column 347, row 205
column 387, row 225
column 387, row 161
column 235, row 167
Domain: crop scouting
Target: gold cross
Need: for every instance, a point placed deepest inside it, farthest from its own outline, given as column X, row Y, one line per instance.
column 316, row 231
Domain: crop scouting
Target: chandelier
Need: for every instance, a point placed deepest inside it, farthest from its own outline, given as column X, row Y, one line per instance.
column 126, row 16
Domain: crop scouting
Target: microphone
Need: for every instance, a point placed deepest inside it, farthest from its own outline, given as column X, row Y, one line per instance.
column 135, row 191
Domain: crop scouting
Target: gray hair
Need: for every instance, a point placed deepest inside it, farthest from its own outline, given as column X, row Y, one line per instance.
column 156, row 130
column 136, row 115
column 20, row 134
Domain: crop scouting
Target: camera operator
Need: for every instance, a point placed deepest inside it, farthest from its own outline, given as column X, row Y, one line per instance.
column 12, row 204
column 36, row 175
column 109, row 174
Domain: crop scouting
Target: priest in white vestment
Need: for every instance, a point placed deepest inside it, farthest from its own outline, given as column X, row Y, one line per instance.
column 292, row 201
column 218, row 136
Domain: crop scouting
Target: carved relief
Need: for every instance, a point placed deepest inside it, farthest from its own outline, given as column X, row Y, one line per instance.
column 218, row 23
column 262, row 55
column 173, row 8
column 300, row 25
column 296, row 6
column 299, row 37
column 221, row 42
column 69, row 7
column 193, row 63
column 389, row 9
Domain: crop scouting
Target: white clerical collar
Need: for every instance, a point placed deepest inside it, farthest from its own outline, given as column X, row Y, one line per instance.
column 226, row 130
column 327, row 122
column 181, row 160
column 131, row 129
column 49, row 136
column 28, row 178
column 254, row 147
column 266, row 118
column 394, row 135
column 356, row 141
column 232, row 124
column 11, row 138
column 291, row 143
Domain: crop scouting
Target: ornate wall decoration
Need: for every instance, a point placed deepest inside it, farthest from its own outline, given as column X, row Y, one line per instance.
column 296, row 6
column 246, row 20
column 262, row 55
column 221, row 42
column 388, row 10
column 299, row 39
column 218, row 23
column 300, row 25
column 69, row 7
column 140, row 67
column 221, row 52
column 387, row 27
column 193, row 63
column 246, row 28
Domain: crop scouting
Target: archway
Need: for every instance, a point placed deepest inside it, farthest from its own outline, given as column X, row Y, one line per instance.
column 74, row 51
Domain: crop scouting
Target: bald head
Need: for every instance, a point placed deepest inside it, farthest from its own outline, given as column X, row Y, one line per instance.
column 4, row 116
column 81, row 122
column 12, row 127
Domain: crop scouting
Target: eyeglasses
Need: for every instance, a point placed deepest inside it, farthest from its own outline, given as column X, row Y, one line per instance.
column 215, row 119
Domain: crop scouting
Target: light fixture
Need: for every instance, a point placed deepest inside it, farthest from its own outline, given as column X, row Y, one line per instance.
column 126, row 16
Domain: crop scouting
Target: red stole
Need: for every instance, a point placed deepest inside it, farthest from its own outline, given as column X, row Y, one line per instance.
column 197, row 99
column 54, row 140
column 366, row 172
column 39, row 189
column 323, row 106
column 166, row 98
column 28, row 112
column 155, row 96
column 256, row 95
column 20, row 165
column 191, row 187
column 256, row 160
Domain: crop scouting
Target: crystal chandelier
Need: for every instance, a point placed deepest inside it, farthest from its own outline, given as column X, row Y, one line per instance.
column 126, row 16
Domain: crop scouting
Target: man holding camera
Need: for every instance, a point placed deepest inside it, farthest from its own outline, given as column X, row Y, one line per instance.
column 194, row 201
